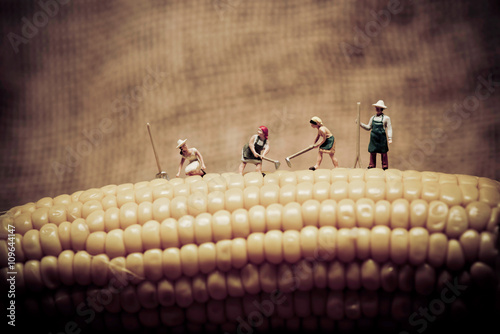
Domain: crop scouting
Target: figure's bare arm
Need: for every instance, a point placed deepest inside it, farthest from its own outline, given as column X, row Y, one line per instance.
column 252, row 146
column 180, row 167
column 267, row 147
column 320, row 139
column 316, row 139
column 367, row 126
column 200, row 157
column 388, row 126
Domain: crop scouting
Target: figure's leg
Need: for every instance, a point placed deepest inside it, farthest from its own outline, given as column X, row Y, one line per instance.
column 258, row 168
column 318, row 161
column 334, row 160
column 385, row 161
column 193, row 169
column 373, row 160
column 242, row 167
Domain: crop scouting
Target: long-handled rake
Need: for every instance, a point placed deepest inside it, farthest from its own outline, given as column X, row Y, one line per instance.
column 161, row 174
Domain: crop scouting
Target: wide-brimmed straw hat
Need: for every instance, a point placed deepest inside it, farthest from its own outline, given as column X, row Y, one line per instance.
column 380, row 104
column 181, row 142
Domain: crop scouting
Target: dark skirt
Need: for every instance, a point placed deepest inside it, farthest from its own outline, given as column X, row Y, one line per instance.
column 247, row 156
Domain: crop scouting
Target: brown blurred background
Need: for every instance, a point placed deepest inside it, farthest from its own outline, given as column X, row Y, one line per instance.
column 80, row 80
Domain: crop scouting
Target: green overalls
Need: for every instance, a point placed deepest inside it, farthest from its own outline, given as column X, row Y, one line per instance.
column 378, row 138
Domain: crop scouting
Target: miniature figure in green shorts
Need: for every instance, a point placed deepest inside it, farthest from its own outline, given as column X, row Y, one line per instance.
column 325, row 141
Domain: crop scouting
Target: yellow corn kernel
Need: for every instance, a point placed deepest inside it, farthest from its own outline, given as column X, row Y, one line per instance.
column 336, row 248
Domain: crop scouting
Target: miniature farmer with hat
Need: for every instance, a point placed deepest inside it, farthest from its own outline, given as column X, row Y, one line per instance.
column 195, row 166
column 325, row 141
column 380, row 136
column 255, row 149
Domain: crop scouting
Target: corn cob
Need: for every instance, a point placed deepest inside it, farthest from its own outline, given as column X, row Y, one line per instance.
column 342, row 248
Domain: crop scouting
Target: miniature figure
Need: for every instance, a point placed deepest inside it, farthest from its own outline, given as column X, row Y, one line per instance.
column 195, row 166
column 381, row 135
column 255, row 149
column 325, row 141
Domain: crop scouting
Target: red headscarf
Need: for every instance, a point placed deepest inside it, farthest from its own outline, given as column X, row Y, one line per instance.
column 265, row 130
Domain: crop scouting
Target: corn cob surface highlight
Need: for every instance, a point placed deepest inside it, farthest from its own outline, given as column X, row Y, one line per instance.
column 328, row 250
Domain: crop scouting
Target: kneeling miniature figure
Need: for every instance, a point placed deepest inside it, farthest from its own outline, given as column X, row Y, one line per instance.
column 195, row 166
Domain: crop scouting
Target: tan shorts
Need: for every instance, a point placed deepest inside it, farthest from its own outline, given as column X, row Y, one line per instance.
column 193, row 167
column 330, row 151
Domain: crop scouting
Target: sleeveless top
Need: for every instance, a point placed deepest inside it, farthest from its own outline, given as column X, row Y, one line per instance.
column 191, row 157
column 258, row 145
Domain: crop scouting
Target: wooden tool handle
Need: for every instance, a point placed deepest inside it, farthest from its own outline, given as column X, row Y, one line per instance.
column 267, row 159
column 301, row 152
column 154, row 149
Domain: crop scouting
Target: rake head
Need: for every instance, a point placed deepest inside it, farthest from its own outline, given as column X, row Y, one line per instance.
column 162, row 175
